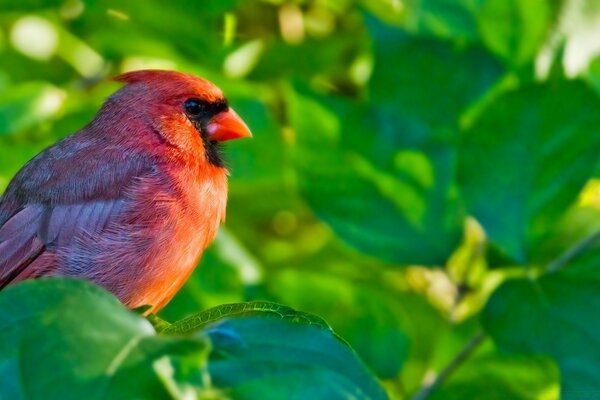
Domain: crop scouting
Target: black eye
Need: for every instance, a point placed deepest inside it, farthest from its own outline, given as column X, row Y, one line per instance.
column 194, row 107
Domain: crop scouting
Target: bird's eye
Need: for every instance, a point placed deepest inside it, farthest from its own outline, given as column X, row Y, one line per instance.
column 193, row 107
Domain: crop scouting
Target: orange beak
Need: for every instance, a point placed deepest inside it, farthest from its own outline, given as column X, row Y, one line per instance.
column 227, row 125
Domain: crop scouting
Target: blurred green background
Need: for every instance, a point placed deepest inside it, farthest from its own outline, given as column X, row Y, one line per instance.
column 421, row 173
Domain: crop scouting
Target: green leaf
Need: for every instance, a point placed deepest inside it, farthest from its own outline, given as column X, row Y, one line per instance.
column 198, row 321
column 277, row 353
column 555, row 315
column 515, row 29
column 397, row 206
column 383, row 176
column 66, row 339
column 48, row 328
column 525, row 159
column 412, row 85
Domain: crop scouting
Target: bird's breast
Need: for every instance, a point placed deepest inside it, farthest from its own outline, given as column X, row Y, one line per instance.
column 191, row 220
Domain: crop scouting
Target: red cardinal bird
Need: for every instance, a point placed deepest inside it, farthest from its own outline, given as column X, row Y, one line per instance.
column 131, row 200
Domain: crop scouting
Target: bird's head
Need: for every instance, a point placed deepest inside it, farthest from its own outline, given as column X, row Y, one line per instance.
column 185, row 111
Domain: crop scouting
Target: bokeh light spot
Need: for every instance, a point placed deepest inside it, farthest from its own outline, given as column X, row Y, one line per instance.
column 35, row 37
column 243, row 60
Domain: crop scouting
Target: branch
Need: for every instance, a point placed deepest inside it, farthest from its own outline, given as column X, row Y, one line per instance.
column 573, row 252
column 461, row 357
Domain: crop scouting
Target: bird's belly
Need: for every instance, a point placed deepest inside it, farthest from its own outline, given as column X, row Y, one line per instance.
column 189, row 227
column 173, row 261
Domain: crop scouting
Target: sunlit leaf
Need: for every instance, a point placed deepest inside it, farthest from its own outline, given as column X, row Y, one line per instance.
column 515, row 29
column 199, row 321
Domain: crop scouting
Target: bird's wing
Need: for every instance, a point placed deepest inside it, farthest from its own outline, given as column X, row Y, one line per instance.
column 72, row 187
column 28, row 237
column 19, row 243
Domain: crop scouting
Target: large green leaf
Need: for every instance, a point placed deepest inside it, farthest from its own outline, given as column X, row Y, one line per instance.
column 411, row 83
column 383, row 177
column 267, row 351
column 525, row 159
column 65, row 339
column 384, row 210
column 556, row 315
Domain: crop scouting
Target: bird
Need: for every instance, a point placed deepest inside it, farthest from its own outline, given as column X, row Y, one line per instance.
column 130, row 201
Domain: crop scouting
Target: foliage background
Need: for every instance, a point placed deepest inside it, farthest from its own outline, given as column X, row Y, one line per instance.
column 422, row 173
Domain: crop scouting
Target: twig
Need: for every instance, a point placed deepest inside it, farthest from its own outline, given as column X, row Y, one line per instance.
column 573, row 251
column 428, row 388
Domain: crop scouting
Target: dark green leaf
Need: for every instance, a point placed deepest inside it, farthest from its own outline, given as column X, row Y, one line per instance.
column 412, row 84
column 66, row 339
column 515, row 30
column 526, row 158
column 392, row 202
column 277, row 353
column 383, row 177
column 555, row 315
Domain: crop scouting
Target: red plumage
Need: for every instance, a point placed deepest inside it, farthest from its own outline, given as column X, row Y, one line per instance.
column 132, row 199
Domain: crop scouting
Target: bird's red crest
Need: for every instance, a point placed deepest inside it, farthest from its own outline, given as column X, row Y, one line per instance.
column 172, row 81
column 146, row 75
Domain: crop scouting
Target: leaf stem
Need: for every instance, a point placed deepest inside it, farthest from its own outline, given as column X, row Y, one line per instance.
column 158, row 323
column 573, row 251
column 461, row 357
